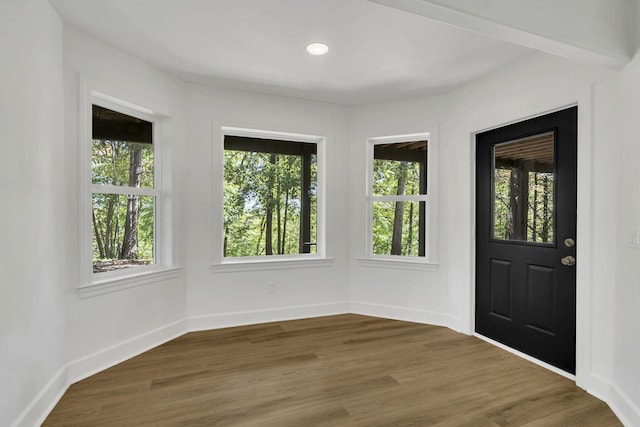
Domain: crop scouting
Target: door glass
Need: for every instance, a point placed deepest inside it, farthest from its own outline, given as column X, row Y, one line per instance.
column 523, row 189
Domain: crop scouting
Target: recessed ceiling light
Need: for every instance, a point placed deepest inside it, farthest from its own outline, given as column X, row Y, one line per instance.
column 317, row 49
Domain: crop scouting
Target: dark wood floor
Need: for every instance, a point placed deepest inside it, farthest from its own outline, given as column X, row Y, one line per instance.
column 346, row 370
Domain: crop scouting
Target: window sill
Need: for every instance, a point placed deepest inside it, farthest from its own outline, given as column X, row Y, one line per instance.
column 239, row 265
column 126, row 281
column 400, row 263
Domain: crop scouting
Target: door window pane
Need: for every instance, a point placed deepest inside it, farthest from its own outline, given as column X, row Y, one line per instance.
column 523, row 189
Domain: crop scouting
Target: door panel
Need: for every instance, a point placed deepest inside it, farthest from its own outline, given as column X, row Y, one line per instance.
column 541, row 293
column 501, row 288
column 526, row 208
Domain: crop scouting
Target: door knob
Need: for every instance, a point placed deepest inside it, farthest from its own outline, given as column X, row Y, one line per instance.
column 568, row 261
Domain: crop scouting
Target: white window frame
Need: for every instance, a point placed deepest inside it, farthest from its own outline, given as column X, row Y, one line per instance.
column 90, row 284
column 430, row 260
column 221, row 263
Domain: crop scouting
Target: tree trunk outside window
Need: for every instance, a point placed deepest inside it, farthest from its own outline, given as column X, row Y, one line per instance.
column 396, row 239
column 130, row 240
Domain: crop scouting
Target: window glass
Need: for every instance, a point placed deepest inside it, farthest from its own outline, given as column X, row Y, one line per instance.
column 270, row 197
column 121, row 149
column 399, row 188
column 523, row 188
column 122, row 231
column 400, row 168
column 397, row 228
column 122, row 175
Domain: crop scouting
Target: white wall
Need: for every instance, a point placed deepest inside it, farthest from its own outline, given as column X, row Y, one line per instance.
column 626, row 369
column 32, row 257
column 531, row 87
column 528, row 88
column 224, row 298
column 100, row 322
column 52, row 335
column 395, row 292
column 45, row 325
column 55, row 335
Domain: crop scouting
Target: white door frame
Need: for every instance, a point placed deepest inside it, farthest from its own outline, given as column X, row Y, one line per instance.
column 583, row 239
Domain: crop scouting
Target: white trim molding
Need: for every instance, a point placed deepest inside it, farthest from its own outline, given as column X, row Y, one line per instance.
column 426, row 317
column 620, row 403
column 37, row 411
column 219, row 262
column 430, row 198
column 583, row 234
column 624, row 408
column 273, row 263
column 402, row 263
column 137, row 277
column 44, row 402
column 243, row 318
column 97, row 92
column 584, row 237
column 84, row 367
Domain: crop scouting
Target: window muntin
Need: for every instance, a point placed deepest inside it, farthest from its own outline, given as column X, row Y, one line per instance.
column 398, row 198
column 270, row 197
column 123, row 191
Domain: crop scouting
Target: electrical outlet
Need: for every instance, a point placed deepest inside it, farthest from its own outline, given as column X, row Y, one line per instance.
column 634, row 239
column 271, row 288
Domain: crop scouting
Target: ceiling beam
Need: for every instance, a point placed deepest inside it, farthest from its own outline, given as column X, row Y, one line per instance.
column 597, row 32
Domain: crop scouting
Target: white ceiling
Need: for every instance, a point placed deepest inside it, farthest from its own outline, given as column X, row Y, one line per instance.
column 376, row 53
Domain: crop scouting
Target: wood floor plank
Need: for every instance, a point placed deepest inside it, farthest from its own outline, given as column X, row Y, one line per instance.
column 345, row 370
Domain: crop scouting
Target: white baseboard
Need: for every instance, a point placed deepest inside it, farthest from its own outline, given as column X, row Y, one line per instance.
column 627, row 412
column 623, row 407
column 36, row 412
column 84, row 367
column 405, row 314
column 40, row 407
column 596, row 386
column 242, row 318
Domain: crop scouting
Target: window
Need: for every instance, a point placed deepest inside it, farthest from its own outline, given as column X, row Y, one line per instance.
column 271, row 195
column 124, row 188
column 120, row 165
column 401, row 213
column 125, row 214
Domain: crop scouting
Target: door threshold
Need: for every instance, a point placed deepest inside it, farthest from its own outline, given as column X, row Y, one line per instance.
column 545, row 365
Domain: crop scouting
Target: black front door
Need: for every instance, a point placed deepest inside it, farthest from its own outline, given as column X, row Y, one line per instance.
column 525, row 241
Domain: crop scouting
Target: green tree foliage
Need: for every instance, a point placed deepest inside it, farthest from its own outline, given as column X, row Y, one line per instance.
column 396, row 225
column 539, row 206
column 501, row 206
column 262, row 203
column 123, row 225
